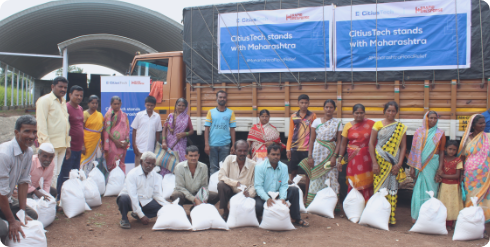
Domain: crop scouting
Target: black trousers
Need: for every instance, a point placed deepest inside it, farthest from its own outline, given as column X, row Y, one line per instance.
column 296, row 158
column 292, row 197
column 212, row 199
column 124, row 202
column 225, row 192
column 14, row 207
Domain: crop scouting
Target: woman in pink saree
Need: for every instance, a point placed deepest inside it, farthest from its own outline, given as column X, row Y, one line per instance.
column 116, row 135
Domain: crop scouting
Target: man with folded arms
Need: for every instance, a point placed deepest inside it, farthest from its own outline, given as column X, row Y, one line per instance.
column 272, row 175
column 141, row 192
column 191, row 177
column 236, row 170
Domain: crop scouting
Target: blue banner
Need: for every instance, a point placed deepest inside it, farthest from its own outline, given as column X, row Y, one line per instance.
column 276, row 41
column 405, row 36
column 132, row 90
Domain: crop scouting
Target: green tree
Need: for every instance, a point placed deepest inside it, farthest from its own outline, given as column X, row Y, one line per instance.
column 71, row 69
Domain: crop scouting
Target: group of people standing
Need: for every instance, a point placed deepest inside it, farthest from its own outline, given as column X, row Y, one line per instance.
column 373, row 153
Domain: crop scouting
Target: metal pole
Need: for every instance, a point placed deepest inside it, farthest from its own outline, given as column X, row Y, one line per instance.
column 18, row 81
column 6, row 84
column 22, row 90
column 65, row 63
column 12, row 89
column 34, row 91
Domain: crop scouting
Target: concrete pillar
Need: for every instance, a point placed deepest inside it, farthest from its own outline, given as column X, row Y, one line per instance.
column 12, row 90
column 22, row 91
column 18, row 81
column 5, row 107
column 65, row 63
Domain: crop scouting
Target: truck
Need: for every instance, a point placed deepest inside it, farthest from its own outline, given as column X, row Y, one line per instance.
column 455, row 94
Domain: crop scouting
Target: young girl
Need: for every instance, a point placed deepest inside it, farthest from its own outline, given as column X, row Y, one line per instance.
column 450, row 190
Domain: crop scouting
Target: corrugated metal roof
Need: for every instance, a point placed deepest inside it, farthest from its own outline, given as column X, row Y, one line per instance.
column 41, row 28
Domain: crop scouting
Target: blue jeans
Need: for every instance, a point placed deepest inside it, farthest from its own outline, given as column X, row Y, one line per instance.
column 216, row 155
column 68, row 164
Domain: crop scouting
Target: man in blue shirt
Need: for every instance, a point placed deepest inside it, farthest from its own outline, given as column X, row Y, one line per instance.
column 272, row 175
column 486, row 114
column 220, row 132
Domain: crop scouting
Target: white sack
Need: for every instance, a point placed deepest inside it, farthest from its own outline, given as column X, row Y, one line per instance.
column 354, row 203
column 35, row 236
column 206, row 216
column 324, row 202
column 377, row 211
column 46, row 210
column 296, row 180
column 213, row 182
column 91, row 192
column 168, row 186
column 72, row 196
column 31, row 203
column 242, row 211
column 99, row 179
column 277, row 217
column 172, row 217
column 432, row 217
column 115, row 182
column 471, row 222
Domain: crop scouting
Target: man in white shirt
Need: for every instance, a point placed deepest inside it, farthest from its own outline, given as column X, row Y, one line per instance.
column 147, row 129
column 141, row 192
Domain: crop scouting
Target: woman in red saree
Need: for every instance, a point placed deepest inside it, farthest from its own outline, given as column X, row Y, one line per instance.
column 355, row 137
column 116, row 135
column 262, row 135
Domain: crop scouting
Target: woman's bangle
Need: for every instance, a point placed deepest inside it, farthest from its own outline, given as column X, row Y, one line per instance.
column 164, row 138
column 186, row 133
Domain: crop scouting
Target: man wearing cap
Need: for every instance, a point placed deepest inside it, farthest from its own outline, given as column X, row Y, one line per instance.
column 42, row 167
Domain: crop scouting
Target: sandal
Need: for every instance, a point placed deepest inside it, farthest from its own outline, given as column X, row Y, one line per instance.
column 124, row 224
column 302, row 223
column 135, row 216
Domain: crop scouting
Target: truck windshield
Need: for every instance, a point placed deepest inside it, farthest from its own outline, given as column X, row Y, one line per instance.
column 156, row 69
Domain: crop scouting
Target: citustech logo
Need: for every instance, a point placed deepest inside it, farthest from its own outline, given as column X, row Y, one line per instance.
column 382, row 12
column 296, row 17
column 137, row 83
column 427, row 9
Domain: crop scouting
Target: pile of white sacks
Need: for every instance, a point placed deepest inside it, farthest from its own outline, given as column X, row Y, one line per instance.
column 79, row 193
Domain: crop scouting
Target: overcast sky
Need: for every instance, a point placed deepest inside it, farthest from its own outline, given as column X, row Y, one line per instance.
column 171, row 8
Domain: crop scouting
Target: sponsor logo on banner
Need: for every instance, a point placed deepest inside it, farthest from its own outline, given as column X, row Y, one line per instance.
column 137, row 83
column 116, row 82
column 296, row 17
column 428, row 9
column 258, row 19
column 368, row 13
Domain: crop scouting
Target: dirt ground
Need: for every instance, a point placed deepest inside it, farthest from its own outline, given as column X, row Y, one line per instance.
column 100, row 227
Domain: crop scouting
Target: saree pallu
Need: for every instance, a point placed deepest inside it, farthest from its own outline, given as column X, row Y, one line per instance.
column 92, row 132
column 117, row 125
column 476, row 171
column 260, row 134
column 359, row 164
column 323, row 150
column 387, row 154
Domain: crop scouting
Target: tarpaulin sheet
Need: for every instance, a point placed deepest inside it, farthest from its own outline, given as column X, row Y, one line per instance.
column 201, row 50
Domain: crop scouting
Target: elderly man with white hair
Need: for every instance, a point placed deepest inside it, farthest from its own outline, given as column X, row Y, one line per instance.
column 141, row 193
column 42, row 167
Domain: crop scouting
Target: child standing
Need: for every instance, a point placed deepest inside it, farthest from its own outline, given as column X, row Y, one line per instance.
column 450, row 189
column 299, row 135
